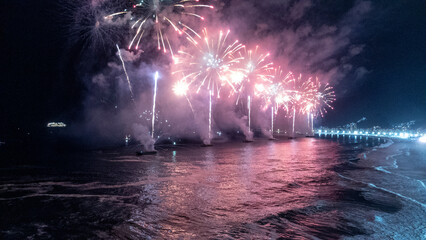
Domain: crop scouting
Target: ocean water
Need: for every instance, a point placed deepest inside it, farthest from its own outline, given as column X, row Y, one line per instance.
column 305, row 188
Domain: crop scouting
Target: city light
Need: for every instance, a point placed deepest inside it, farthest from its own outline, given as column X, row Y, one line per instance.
column 363, row 132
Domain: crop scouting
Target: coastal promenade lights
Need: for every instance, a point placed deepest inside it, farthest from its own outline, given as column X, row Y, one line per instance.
column 422, row 139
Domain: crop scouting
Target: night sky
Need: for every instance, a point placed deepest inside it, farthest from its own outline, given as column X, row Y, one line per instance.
column 42, row 76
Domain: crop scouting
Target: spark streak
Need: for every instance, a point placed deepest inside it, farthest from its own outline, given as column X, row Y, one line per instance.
column 153, row 104
column 154, row 16
column 125, row 72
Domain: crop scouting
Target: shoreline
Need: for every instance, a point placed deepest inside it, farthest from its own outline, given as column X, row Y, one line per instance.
column 389, row 165
column 382, row 177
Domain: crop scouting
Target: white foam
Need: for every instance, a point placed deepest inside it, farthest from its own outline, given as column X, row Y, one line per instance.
column 422, row 183
column 395, row 165
column 386, row 144
column 381, row 169
column 386, row 190
column 400, row 195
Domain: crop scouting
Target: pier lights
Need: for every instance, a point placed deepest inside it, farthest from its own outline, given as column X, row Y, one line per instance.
column 422, row 139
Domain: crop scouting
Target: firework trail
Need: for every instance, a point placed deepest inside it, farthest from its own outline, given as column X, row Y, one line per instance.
column 125, row 72
column 256, row 69
column 269, row 96
column 249, row 112
column 206, row 66
column 272, row 121
column 152, row 17
column 153, row 103
column 275, row 94
column 322, row 98
column 210, row 116
column 302, row 93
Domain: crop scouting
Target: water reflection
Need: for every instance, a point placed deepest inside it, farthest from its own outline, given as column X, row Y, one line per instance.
column 209, row 191
column 284, row 188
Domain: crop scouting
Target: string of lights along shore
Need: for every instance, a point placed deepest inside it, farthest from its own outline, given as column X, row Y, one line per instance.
column 211, row 63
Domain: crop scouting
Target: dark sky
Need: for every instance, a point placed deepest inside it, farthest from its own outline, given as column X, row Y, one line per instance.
column 40, row 79
column 394, row 90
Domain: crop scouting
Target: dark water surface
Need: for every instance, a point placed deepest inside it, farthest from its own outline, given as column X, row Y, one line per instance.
column 290, row 189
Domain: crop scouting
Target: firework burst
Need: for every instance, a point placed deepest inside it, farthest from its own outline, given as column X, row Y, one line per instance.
column 302, row 93
column 324, row 97
column 282, row 95
column 88, row 26
column 276, row 93
column 209, row 63
column 181, row 88
column 255, row 66
column 153, row 17
column 254, row 71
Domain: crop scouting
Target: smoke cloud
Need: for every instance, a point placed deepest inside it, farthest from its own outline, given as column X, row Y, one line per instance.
column 302, row 36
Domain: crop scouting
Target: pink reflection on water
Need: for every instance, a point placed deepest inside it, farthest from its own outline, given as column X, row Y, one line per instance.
column 207, row 189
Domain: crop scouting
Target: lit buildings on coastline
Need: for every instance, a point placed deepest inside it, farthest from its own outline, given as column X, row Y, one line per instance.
column 371, row 132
